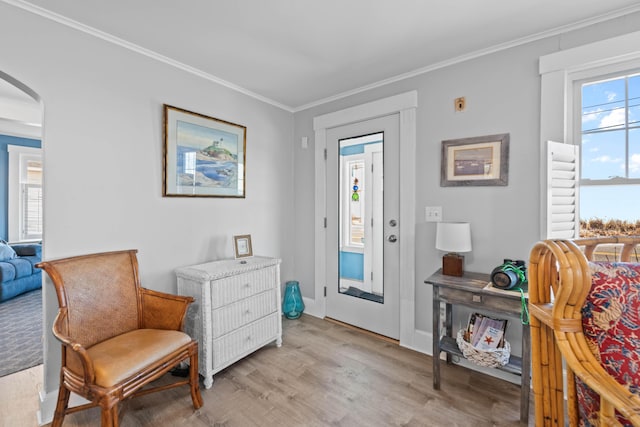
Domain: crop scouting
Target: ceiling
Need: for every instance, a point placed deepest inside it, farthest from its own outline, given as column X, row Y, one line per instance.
column 300, row 53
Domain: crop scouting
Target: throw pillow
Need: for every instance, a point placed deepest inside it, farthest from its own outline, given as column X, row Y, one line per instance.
column 6, row 252
column 26, row 249
column 611, row 327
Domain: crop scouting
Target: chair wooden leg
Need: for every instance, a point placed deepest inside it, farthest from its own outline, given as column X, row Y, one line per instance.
column 194, row 380
column 61, row 406
column 109, row 416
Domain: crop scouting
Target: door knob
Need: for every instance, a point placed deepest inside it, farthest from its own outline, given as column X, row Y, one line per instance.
column 393, row 238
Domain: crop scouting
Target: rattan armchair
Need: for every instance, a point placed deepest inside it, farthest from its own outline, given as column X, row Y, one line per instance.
column 560, row 281
column 116, row 336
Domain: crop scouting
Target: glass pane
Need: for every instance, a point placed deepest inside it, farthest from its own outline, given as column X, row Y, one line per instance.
column 634, row 153
column 634, row 101
column 603, row 202
column 603, row 155
column 356, row 187
column 32, row 211
column 355, row 223
column 603, row 105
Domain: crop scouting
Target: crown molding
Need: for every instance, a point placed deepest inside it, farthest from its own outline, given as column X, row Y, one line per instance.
column 195, row 71
column 476, row 54
column 37, row 10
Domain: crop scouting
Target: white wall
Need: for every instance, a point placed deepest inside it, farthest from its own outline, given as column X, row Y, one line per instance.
column 502, row 91
column 103, row 158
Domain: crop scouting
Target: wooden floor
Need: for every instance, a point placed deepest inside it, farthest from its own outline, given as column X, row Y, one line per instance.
column 325, row 374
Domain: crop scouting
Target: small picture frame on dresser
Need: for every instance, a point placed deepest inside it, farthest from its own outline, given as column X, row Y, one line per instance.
column 242, row 246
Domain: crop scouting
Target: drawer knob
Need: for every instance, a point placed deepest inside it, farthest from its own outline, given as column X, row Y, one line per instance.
column 247, row 285
column 247, row 312
column 477, row 298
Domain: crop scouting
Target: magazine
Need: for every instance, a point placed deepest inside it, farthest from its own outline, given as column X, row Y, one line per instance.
column 484, row 332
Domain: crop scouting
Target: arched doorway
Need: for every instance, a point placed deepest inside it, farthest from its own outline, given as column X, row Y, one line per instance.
column 21, row 311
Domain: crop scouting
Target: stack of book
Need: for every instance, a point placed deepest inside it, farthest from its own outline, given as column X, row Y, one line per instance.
column 485, row 333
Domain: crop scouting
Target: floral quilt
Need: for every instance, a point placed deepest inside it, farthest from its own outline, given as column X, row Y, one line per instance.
column 611, row 323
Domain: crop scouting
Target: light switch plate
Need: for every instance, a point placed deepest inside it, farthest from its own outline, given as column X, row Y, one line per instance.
column 433, row 213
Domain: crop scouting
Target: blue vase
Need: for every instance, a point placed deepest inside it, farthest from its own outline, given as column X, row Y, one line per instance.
column 292, row 305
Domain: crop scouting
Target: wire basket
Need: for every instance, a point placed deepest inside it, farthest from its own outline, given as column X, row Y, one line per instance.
column 489, row 358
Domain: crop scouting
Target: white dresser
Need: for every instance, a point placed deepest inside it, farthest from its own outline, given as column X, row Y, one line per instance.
column 236, row 309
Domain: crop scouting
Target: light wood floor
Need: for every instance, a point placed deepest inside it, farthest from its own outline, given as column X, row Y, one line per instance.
column 324, row 374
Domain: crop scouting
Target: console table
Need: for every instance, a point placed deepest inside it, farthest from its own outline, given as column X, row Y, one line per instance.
column 469, row 291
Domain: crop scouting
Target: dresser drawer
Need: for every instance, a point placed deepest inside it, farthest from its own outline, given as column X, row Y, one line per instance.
column 243, row 341
column 226, row 319
column 234, row 288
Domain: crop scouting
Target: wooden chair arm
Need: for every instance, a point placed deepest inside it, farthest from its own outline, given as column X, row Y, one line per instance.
column 162, row 310
column 79, row 353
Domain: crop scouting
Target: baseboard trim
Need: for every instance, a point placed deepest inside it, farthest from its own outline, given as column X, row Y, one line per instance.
column 310, row 307
column 48, row 405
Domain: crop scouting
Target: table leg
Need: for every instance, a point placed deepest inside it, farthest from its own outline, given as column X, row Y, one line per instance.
column 436, row 338
column 448, row 322
column 526, row 377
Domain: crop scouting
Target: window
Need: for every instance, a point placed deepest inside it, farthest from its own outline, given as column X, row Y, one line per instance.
column 25, row 193
column 356, row 189
column 610, row 146
column 608, row 177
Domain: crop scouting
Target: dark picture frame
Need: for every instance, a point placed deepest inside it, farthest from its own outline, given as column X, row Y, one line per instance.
column 203, row 156
column 476, row 161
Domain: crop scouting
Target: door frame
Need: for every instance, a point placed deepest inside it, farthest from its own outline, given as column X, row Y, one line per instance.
column 404, row 104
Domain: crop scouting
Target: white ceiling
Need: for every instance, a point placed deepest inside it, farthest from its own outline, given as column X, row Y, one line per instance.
column 298, row 53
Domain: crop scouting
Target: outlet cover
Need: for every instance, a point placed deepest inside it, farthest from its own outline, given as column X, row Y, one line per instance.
column 433, row 213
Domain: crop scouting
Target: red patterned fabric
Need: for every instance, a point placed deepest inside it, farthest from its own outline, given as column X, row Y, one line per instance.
column 611, row 324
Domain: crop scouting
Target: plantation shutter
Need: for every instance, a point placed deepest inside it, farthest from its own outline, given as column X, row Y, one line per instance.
column 563, row 166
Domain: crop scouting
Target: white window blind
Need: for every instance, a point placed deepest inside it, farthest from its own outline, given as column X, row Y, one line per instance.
column 25, row 193
column 563, row 166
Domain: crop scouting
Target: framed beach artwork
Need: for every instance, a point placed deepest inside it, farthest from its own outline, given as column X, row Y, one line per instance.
column 477, row 161
column 203, row 156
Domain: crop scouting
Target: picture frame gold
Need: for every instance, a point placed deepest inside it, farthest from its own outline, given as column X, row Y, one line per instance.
column 476, row 161
column 242, row 247
column 203, row 156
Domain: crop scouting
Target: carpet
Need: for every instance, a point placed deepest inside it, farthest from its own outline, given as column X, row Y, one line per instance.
column 21, row 332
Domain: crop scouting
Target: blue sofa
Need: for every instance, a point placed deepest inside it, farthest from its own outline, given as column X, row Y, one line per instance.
column 18, row 273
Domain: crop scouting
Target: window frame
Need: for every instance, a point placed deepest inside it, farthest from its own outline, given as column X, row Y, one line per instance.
column 559, row 72
column 19, row 154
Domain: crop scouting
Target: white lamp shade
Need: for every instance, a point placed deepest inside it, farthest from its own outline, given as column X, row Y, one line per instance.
column 453, row 236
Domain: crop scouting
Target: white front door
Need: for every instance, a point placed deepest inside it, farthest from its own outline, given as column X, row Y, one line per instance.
column 363, row 252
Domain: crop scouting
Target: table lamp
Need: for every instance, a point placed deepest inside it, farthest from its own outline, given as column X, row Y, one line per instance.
column 453, row 237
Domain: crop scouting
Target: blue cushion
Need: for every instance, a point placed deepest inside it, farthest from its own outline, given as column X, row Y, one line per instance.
column 23, row 267
column 7, row 272
column 6, row 252
column 17, row 287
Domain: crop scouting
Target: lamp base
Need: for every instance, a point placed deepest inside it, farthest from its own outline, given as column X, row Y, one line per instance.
column 452, row 264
